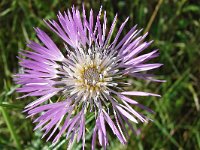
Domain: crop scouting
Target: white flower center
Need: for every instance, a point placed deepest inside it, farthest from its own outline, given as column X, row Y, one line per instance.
column 89, row 74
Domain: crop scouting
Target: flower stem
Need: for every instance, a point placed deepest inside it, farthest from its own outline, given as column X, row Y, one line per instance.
column 9, row 123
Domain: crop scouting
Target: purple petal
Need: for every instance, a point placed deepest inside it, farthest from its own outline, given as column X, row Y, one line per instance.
column 138, row 93
column 126, row 114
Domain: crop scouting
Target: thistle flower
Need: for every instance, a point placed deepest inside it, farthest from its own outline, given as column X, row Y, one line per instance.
column 89, row 77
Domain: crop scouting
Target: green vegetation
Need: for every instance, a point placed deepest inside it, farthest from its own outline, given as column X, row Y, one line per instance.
column 174, row 25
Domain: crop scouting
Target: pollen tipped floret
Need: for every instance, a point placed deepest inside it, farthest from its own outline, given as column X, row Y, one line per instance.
column 91, row 78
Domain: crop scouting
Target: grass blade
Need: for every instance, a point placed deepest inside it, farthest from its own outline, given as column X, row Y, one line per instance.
column 11, row 127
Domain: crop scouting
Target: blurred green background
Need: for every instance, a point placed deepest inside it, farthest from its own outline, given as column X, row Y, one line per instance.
column 174, row 25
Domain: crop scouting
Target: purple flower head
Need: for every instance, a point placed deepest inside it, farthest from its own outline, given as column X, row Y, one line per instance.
column 90, row 76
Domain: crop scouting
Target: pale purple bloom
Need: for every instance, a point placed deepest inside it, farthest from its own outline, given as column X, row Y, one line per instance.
column 89, row 77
